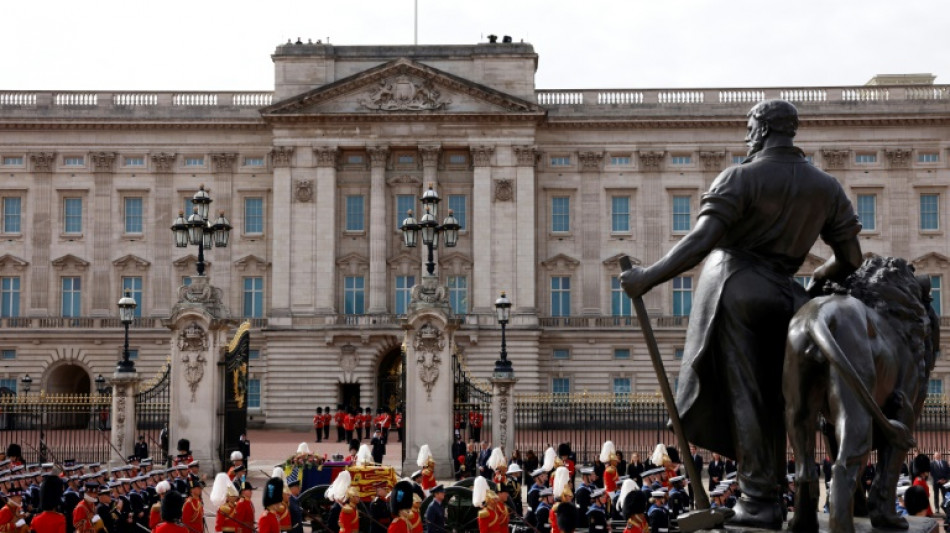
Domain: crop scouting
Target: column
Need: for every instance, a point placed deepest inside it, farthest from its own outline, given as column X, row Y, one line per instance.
column 591, row 231
column 656, row 233
column 481, row 292
column 900, row 223
column 222, row 164
column 503, row 413
column 377, row 229
column 42, row 193
column 124, row 387
column 165, row 207
column 281, row 160
column 326, row 231
column 526, row 230
column 104, row 220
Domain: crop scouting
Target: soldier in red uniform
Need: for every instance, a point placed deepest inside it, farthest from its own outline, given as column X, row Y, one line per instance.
column 327, row 420
column 171, row 515
column 271, row 500
column 12, row 518
column 85, row 519
column 338, row 419
column 358, row 423
column 224, row 496
column 400, row 503
column 634, row 508
column 50, row 520
column 193, row 510
column 400, row 422
column 318, row 424
column 475, row 421
column 244, row 517
column 385, row 423
column 492, row 518
column 237, row 461
column 155, row 513
column 608, row 456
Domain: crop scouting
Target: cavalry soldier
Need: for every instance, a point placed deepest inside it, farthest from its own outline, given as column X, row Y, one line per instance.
column 225, row 495
column 49, row 520
column 349, row 499
column 563, row 498
column 318, row 424
column 633, row 504
column 155, row 513
column 498, row 465
column 415, row 514
column 171, row 515
column 400, row 502
column 427, row 463
column 492, row 518
column 271, row 500
column 608, row 456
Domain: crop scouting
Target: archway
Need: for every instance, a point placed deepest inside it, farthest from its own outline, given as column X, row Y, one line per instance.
column 68, row 379
column 70, row 413
column 390, row 380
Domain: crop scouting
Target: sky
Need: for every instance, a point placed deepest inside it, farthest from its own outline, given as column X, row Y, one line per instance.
column 226, row 45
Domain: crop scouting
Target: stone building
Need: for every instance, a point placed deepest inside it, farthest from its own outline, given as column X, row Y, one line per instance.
column 550, row 186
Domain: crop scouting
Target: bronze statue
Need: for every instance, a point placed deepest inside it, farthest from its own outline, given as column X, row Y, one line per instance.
column 755, row 227
column 862, row 360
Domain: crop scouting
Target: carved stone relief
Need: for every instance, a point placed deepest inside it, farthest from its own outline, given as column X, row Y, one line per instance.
column 102, row 161
column 43, row 161
column 590, row 160
column 651, row 160
column 282, row 156
column 504, row 190
column 481, row 155
column 303, row 191
column 834, row 158
column 349, row 360
column 163, row 162
column 404, row 93
column 429, row 343
column 898, row 158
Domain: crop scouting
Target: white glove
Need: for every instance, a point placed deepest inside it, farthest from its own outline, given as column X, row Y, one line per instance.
column 96, row 519
column 20, row 523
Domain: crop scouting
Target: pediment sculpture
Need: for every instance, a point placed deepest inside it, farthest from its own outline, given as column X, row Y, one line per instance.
column 404, row 94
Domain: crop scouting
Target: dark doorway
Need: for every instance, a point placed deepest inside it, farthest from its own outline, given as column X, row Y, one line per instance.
column 350, row 395
column 389, row 386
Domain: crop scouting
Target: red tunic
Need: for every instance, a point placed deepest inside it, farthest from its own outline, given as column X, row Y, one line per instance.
column 49, row 522
column 338, row 418
column 492, row 518
column 318, row 421
column 415, row 521
column 349, row 422
column 192, row 514
column 349, row 520
column 399, row 420
column 398, row 525
column 268, row 523
column 224, row 519
column 155, row 516
column 171, row 527
column 244, row 516
column 283, row 517
column 552, row 517
column 918, row 482
column 637, row 524
column 385, row 421
column 7, row 519
column 428, row 479
column 82, row 517
column 610, row 479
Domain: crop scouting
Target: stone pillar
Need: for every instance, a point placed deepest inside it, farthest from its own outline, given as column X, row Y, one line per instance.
column 124, row 387
column 199, row 325
column 326, row 231
column 656, row 234
column 480, row 291
column 222, row 164
column 503, row 412
column 591, row 229
column 102, row 229
column 526, row 233
column 900, row 224
column 378, row 230
column 166, row 208
column 430, row 332
column 281, row 159
column 42, row 205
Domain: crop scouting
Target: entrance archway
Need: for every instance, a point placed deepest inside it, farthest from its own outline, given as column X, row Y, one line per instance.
column 68, row 379
column 390, row 380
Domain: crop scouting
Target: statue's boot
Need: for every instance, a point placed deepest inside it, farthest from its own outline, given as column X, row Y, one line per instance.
column 755, row 512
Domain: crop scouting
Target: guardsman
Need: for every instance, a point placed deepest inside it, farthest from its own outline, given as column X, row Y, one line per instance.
column 427, row 463
column 193, row 511
column 597, row 519
column 155, row 513
column 475, row 421
column 245, row 509
column 49, row 520
column 284, row 521
column 499, row 467
column 85, row 519
column 633, row 504
column 171, row 515
column 564, row 454
column 400, row 502
column 563, row 497
column 385, row 423
column 349, row 424
column 338, row 420
column 271, row 500
column 358, row 423
column 12, row 517
column 400, row 422
column 318, row 424
column 184, row 453
column 327, row 422
column 608, row 456
column 415, row 514
column 379, row 510
column 658, row 516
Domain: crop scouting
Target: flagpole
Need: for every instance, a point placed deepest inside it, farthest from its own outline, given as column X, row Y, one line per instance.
column 415, row 22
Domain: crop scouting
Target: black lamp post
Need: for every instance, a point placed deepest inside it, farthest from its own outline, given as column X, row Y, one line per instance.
column 199, row 231
column 25, row 383
column 127, row 307
column 430, row 228
column 502, row 313
column 100, row 384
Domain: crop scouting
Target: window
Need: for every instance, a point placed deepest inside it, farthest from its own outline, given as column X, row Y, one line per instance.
column 457, row 205
column 620, row 304
column 561, row 161
column 9, row 384
column 678, row 353
column 254, row 297
column 9, row 297
column 738, row 159
column 189, row 207
column 620, row 214
column 935, row 387
column 354, row 212
column 253, row 161
column 405, row 202
column 11, row 214
column 253, row 215
column 922, row 157
column 253, row 393
column 621, row 387
column 682, row 295
column 353, row 295
column 803, row 280
column 72, row 297
column 619, row 160
column 13, row 160
column 867, row 211
column 929, row 212
column 8, row 354
column 186, row 281
column 134, row 161
column 133, row 214
column 253, row 355
column 561, row 214
column 134, row 286
column 457, row 159
column 681, row 215
column 354, row 159
column 561, row 296
column 865, row 159
column 133, row 354
column 405, row 159
column 458, row 294
column 194, row 161
column 74, row 161
column 681, row 159
column 72, row 215
column 403, row 292
column 935, row 285
column 621, row 353
column 561, row 386
column 561, row 353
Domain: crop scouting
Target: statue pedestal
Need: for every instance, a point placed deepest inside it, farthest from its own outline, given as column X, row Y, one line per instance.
column 503, row 412
column 124, row 387
column 917, row 524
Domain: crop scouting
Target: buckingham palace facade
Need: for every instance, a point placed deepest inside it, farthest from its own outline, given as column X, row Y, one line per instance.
column 550, row 188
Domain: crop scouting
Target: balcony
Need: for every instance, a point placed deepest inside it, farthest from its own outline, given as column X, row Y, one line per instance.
column 78, row 323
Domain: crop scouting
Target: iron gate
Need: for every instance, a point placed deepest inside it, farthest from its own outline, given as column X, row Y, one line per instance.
column 471, row 404
column 152, row 406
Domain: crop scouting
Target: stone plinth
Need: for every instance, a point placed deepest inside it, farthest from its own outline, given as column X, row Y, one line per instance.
column 503, row 411
column 861, row 525
column 124, row 387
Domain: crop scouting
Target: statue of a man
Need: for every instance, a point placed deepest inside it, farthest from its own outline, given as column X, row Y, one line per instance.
column 755, row 227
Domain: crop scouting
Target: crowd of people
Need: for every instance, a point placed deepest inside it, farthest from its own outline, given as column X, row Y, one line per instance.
column 357, row 423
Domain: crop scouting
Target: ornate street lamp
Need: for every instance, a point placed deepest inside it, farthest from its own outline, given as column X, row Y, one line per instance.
column 25, row 383
column 199, row 231
column 100, row 384
column 430, row 228
column 502, row 313
column 127, row 307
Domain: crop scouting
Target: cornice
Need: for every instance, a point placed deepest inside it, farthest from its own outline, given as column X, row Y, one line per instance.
column 125, row 126
column 708, row 122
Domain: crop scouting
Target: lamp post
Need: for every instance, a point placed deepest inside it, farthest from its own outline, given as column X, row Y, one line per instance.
column 100, row 384
column 502, row 313
column 127, row 307
column 429, row 226
column 25, row 383
column 199, row 231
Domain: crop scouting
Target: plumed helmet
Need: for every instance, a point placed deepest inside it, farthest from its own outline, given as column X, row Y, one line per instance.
column 51, row 492
column 921, row 464
column 273, row 492
column 184, row 445
column 303, row 448
column 14, row 450
column 563, row 449
column 401, row 497
column 628, row 485
column 171, row 506
column 635, row 502
column 549, row 456
column 219, row 489
column 278, row 472
column 364, row 456
column 497, row 459
column 337, row 490
column 566, row 517
column 607, row 452
column 479, row 491
column 561, row 479
column 236, row 456
column 424, row 455
column 659, row 457
column 164, row 486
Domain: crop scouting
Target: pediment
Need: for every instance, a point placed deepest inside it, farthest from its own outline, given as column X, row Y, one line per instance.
column 131, row 261
column 405, row 88
column 70, row 260
column 614, row 261
column 560, row 262
column 931, row 261
column 188, row 262
column 251, row 260
column 12, row 261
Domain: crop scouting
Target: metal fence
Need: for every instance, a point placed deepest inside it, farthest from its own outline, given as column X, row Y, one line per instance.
column 57, row 427
column 152, row 406
column 470, row 399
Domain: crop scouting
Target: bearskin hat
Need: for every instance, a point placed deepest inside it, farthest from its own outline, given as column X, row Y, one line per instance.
column 566, row 517
column 172, row 505
column 184, row 445
column 634, row 503
column 915, row 500
column 563, row 449
column 273, row 492
column 401, row 497
column 51, row 492
column 14, row 450
column 674, row 454
column 354, row 445
column 921, row 464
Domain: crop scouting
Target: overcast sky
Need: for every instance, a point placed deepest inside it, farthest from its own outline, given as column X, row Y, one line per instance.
column 226, row 45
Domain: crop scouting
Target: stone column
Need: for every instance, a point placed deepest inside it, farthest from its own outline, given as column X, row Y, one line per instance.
column 900, row 223
column 430, row 331
column 222, row 164
column 591, row 230
column 503, row 412
column 281, row 160
column 326, row 231
column 165, row 207
column 124, row 387
column 378, row 230
column 102, row 233
column 480, row 291
column 657, row 233
column 526, row 231
column 199, row 325
column 42, row 238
